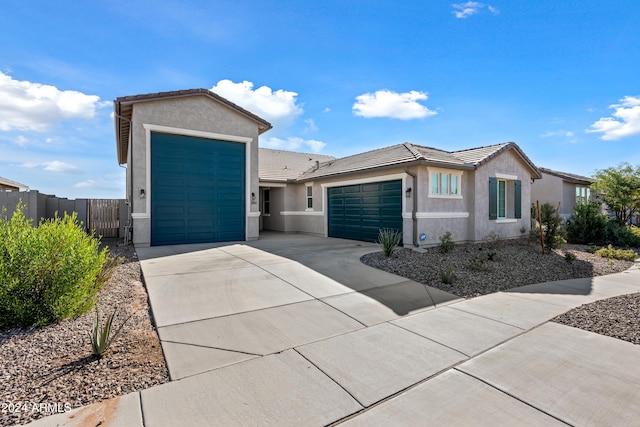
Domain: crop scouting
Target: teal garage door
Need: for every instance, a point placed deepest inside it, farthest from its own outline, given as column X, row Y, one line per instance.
column 197, row 190
column 359, row 211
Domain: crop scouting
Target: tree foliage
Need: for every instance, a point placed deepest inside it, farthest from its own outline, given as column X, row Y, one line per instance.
column 619, row 188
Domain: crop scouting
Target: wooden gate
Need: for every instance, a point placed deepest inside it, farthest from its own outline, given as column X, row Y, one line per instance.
column 103, row 217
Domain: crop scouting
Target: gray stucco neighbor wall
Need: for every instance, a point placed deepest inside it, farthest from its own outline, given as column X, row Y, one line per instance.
column 185, row 115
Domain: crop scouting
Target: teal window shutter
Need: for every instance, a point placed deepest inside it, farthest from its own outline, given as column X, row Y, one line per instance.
column 493, row 198
column 518, row 199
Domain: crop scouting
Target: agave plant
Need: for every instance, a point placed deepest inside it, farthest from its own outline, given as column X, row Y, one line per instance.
column 389, row 239
column 101, row 338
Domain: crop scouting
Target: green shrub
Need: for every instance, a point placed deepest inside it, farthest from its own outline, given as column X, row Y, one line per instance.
column 447, row 276
column 623, row 254
column 587, row 225
column 570, row 257
column 552, row 232
column 49, row 272
column 389, row 239
column 622, row 235
column 446, row 242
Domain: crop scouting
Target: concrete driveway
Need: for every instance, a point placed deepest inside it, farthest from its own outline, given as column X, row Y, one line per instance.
column 294, row 330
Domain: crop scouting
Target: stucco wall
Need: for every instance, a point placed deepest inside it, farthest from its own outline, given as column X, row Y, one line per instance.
column 196, row 113
column 507, row 163
column 549, row 189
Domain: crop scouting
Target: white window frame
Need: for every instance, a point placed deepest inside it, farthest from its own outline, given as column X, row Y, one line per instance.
column 308, row 192
column 449, row 173
column 583, row 194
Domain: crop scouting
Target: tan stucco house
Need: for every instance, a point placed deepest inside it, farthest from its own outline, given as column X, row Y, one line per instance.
column 195, row 174
column 561, row 187
column 423, row 192
column 192, row 167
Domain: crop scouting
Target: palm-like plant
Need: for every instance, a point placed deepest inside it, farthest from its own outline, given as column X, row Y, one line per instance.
column 101, row 338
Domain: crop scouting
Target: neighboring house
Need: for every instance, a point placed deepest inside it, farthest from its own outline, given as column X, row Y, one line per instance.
column 561, row 187
column 192, row 167
column 9, row 185
column 423, row 192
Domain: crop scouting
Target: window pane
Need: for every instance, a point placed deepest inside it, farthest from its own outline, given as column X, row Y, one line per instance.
column 502, row 195
column 444, row 183
column 309, row 191
column 454, row 184
column 434, row 183
column 309, row 202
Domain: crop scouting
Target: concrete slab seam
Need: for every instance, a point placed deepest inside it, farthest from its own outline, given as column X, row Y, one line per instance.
column 512, row 396
column 212, row 347
column 329, row 376
column 485, row 317
column 141, row 409
column 430, row 339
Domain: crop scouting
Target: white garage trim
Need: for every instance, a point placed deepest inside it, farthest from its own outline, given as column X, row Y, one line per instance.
column 198, row 134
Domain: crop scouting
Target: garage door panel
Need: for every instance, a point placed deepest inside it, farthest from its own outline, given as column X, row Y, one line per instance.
column 360, row 211
column 206, row 179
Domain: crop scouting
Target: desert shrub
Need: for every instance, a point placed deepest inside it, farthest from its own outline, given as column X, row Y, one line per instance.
column 49, row 272
column 389, row 239
column 446, row 242
column 622, row 235
column 623, row 254
column 570, row 257
column 552, row 231
column 101, row 337
column 587, row 225
column 447, row 276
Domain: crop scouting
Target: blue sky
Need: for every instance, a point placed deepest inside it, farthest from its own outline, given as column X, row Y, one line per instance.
column 560, row 78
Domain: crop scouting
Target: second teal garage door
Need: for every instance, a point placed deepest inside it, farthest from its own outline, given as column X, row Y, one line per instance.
column 359, row 211
column 197, row 190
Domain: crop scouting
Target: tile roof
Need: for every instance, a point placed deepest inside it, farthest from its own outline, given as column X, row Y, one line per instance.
column 569, row 177
column 407, row 153
column 123, row 109
column 283, row 166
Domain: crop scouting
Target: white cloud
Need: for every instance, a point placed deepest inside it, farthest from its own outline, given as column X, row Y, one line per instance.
column 625, row 120
column 293, row 144
column 52, row 166
column 20, row 141
column 570, row 135
column 36, row 107
column 278, row 107
column 385, row 103
column 311, row 126
column 465, row 10
column 326, row 110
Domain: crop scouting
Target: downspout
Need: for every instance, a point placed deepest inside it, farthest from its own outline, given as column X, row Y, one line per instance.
column 129, row 226
column 414, row 197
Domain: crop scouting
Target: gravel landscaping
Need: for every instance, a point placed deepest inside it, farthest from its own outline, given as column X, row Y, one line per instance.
column 484, row 268
column 51, row 369
column 519, row 263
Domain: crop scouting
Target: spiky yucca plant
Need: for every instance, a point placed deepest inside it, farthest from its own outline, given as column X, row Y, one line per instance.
column 389, row 239
column 101, row 338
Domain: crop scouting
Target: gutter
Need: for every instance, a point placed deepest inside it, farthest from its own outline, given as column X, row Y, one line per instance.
column 414, row 209
column 129, row 225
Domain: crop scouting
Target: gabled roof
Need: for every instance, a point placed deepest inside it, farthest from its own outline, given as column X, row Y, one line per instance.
column 123, row 109
column 569, row 177
column 4, row 182
column 284, row 166
column 481, row 155
column 408, row 154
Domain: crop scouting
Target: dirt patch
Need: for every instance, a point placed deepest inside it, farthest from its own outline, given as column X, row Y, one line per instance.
column 51, row 369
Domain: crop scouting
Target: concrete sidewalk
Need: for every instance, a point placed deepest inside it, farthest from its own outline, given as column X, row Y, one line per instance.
column 294, row 330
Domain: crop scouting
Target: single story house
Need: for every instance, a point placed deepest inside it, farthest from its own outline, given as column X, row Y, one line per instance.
column 192, row 167
column 195, row 174
column 561, row 187
column 9, row 185
column 423, row 192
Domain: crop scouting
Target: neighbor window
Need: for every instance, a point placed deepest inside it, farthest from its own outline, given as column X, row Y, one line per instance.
column 265, row 202
column 445, row 184
column 309, row 197
column 583, row 195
